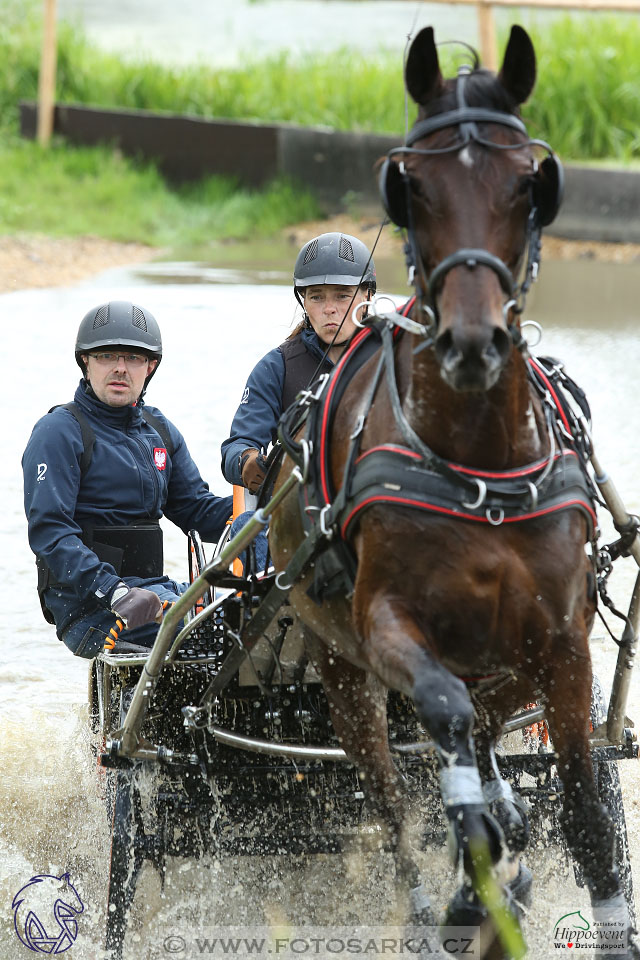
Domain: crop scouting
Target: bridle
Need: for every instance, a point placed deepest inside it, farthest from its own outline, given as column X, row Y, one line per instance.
column 467, row 118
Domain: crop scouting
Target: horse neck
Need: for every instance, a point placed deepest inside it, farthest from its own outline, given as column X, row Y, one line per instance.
column 499, row 429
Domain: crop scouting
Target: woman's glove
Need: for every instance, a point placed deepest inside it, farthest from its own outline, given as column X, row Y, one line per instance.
column 136, row 606
column 253, row 467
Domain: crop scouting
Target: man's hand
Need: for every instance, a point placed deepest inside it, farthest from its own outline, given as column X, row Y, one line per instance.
column 253, row 467
column 136, row 606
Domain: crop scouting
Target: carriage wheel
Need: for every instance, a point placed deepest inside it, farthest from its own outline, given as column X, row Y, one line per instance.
column 610, row 794
column 607, row 777
column 127, row 835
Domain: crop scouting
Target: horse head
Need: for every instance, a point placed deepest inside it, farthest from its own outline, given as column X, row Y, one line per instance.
column 469, row 190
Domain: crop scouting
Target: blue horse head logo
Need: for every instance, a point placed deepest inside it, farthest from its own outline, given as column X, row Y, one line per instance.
column 44, row 914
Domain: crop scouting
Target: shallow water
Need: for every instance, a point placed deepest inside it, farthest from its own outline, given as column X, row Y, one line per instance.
column 217, row 320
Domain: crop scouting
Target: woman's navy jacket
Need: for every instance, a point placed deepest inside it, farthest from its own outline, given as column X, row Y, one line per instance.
column 131, row 477
column 256, row 420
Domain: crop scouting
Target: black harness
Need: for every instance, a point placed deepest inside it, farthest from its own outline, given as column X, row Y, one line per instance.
column 412, row 476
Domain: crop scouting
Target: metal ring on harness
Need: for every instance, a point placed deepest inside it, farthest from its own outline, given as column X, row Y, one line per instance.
column 536, row 326
column 495, row 521
column 279, row 584
column 305, row 446
column 482, row 493
column 354, row 312
column 505, row 310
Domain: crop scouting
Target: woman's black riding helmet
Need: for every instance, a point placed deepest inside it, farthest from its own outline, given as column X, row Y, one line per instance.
column 334, row 258
column 119, row 324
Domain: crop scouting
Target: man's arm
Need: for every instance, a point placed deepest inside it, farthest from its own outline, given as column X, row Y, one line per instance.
column 51, row 483
column 190, row 504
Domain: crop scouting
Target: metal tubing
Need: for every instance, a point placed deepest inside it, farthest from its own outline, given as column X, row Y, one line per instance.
column 194, row 622
column 129, row 735
column 624, row 667
column 614, row 502
column 303, row 752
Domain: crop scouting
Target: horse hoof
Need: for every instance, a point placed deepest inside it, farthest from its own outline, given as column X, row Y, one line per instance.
column 519, row 890
column 465, row 909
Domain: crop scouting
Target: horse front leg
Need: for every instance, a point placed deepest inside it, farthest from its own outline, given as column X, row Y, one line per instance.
column 587, row 826
column 398, row 652
column 358, row 706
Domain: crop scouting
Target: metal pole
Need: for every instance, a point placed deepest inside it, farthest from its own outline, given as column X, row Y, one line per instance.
column 624, row 668
column 47, row 78
column 129, row 735
column 487, row 35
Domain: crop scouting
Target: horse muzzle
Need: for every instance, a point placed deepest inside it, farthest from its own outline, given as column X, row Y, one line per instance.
column 472, row 358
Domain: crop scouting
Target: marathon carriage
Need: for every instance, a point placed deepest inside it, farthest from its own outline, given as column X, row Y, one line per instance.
column 230, row 718
column 430, row 527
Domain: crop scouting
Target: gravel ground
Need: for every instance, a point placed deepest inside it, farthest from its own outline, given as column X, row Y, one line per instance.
column 31, row 260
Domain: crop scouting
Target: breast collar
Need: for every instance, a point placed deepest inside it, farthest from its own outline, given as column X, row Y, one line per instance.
column 397, row 475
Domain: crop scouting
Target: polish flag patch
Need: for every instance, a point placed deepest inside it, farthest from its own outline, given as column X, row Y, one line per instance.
column 160, row 457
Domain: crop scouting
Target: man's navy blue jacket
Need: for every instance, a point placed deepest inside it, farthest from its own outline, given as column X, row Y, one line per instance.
column 129, row 478
column 256, row 420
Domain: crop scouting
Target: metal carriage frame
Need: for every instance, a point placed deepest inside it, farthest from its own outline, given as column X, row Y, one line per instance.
column 228, row 730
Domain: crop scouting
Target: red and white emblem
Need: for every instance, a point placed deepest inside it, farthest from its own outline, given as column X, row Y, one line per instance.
column 160, row 457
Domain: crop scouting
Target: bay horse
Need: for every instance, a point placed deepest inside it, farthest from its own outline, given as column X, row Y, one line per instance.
column 491, row 579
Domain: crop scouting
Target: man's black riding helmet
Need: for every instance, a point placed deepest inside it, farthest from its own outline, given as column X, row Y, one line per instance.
column 334, row 258
column 119, row 324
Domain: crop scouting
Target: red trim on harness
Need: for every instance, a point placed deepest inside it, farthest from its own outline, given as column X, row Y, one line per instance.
column 324, row 483
column 458, row 514
column 327, row 404
column 495, row 474
column 553, row 393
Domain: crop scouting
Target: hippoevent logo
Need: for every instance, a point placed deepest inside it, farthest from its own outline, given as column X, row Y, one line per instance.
column 44, row 914
column 574, row 932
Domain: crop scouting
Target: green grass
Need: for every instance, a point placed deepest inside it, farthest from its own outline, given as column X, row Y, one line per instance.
column 587, row 101
column 76, row 191
column 586, row 104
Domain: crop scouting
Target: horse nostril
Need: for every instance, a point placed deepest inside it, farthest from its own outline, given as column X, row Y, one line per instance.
column 444, row 342
column 502, row 342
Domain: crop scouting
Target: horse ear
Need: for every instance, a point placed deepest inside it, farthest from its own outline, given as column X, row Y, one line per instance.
column 422, row 70
column 393, row 192
column 518, row 71
column 548, row 189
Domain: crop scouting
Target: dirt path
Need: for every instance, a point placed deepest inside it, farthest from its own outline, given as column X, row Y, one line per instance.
column 30, row 260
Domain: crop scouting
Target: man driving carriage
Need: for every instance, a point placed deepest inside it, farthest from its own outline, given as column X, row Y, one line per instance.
column 98, row 475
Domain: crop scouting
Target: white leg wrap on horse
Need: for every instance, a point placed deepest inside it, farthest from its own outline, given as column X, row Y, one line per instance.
column 419, row 899
column 613, row 910
column 460, row 785
column 498, row 789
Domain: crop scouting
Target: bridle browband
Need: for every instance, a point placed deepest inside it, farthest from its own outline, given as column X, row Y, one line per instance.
column 467, row 118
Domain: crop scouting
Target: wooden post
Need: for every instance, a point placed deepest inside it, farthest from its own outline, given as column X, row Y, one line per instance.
column 47, row 79
column 487, row 34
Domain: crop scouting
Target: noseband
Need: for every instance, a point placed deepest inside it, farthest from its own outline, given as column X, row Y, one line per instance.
column 467, row 119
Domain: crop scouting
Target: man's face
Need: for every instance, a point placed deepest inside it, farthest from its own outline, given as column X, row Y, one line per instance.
column 118, row 381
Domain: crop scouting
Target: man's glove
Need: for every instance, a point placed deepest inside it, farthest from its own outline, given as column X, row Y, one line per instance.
column 253, row 467
column 136, row 606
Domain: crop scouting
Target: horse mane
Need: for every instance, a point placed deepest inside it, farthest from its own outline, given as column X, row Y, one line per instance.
column 482, row 89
